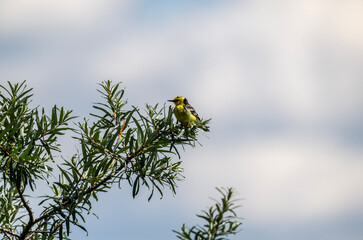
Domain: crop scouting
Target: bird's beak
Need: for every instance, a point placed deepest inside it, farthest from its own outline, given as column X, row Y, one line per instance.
column 170, row 100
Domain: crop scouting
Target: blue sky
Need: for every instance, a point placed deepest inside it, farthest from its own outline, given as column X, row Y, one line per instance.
column 282, row 81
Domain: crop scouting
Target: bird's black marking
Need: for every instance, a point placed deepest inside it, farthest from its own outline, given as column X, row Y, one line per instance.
column 190, row 108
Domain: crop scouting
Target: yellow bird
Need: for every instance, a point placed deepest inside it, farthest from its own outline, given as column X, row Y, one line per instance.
column 183, row 111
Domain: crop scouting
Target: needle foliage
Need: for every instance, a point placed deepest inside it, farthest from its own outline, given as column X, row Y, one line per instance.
column 120, row 144
column 220, row 220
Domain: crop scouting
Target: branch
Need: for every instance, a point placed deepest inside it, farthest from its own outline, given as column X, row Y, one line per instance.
column 127, row 160
column 26, row 205
column 100, row 183
column 8, row 236
column 104, row 180
column 36, row 231
column 8, row 233
column 45, row 216
column 89, row 190
column 30, row 213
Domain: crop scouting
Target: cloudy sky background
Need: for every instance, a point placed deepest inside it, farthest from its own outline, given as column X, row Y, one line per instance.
column 282, row 81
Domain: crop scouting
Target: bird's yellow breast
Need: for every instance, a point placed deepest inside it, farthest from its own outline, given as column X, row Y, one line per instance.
column 183, row 115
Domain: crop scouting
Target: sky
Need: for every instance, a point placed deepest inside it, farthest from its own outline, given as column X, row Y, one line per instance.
column 282, row 81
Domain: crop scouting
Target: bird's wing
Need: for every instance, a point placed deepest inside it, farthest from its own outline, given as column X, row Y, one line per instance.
column 190, row 108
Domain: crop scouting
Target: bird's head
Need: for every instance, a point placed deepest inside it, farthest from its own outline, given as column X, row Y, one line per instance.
column 177, row 100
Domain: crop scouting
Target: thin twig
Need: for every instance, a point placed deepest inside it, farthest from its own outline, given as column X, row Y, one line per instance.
column 32, row 233
column 9, row 233
column 30, row 213
column 36, row 231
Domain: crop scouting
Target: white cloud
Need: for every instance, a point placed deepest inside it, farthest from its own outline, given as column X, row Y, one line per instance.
column 24, row 16
column 247, row 55
column 140, row 57
column 283, row 178
column 344, row 18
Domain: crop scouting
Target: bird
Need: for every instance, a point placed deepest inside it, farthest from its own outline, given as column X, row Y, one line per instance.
column 183, row 111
